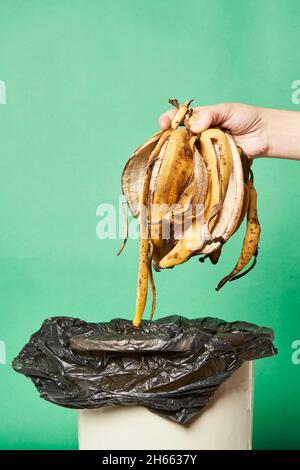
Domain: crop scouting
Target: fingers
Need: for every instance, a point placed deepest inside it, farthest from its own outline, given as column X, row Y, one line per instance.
column 166, row 118
column 207, row 116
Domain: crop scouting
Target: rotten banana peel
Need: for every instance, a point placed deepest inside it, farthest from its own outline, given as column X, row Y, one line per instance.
column 190, row 193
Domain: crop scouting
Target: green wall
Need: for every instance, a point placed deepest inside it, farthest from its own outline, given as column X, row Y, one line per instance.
column 86, row 81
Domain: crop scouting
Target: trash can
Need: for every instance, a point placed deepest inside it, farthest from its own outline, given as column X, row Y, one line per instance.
column 173, row 384
column 224, row 424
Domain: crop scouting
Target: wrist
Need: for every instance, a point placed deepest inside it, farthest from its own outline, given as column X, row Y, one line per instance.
column 272, row 128
column 282, row 133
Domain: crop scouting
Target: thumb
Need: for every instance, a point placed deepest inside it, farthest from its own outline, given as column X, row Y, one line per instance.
column 208, row 116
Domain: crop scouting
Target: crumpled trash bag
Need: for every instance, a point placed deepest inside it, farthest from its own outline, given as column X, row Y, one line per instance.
column 172, row 366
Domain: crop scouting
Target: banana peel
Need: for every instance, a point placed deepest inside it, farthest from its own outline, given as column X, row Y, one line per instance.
column 190, row 193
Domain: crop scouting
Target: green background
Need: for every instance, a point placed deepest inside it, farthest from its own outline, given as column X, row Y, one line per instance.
column 86, row 81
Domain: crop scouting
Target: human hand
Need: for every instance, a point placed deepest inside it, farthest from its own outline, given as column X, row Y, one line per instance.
column 246, row 124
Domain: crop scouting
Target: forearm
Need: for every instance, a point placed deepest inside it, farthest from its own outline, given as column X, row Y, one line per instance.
column 283, row 133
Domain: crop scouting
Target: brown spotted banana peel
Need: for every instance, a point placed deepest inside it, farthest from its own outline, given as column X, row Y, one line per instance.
column 195, row 191
column 233, row 203
column 167, row 186
column 216, row 151
column 144, row 252
column 181, row 213
column 216, row 142
column 244, row 207
column 133, row 173
column 251, row 240
column 213, row 251
column 246, row 164
column 175, row 169
column 181, row 113
column 136, row 183
column 215, row 255
column 181, row 252
column 161, row 245
column 157, row 250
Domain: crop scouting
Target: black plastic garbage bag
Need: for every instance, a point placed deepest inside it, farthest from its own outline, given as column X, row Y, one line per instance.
column 172, row 366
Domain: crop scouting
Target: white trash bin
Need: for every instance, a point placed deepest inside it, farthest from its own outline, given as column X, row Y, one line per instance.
column 224, row 424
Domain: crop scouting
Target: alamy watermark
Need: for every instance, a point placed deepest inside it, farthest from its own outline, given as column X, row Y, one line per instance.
column 2, row 352
column 160, row 221
column 296, row 92
column 2, row 92
column 295, row 358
